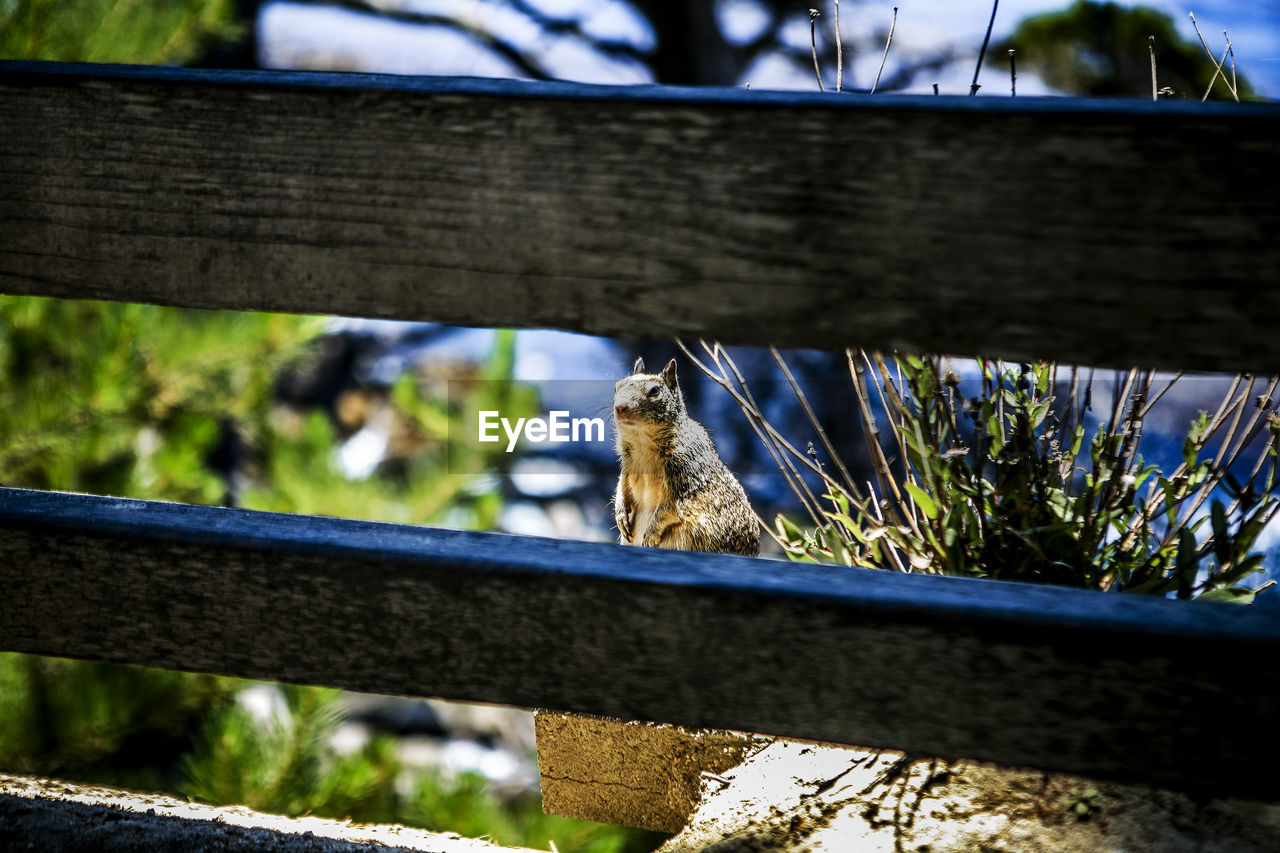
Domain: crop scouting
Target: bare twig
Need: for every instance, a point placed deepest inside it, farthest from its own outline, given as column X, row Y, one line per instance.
column 974, row 87
column 839, row 49
column 891, row 392
column 1217, row 72
column 1232, row 53
column 1251, row 432
column 997, row 384
column 1151, row 402
column 871, row 433
column 1013, row 75
column 1151, row 46
column 1072, row 411
column 880, row 463
column 1159, row 501
column 1217, row 65
column 1226, row 455
column 1133, row 427
column 1201, row 37
column 887, row 389
column 813, row 45
column 950, row 379
column 802, row 490
column 1228, row 452
column 1120, row 398
column 814, row 422
column 778, row 446
column 888, row 42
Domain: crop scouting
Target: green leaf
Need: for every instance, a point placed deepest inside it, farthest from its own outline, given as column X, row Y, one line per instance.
column 849, row 524
column 1038, row 413
column 1221, row 540
column 996, row 435
column 1234, row 573
column 1230, row 595
column 840, row 517
column 1144, row 472
column 922, row 499
column 1154, row 586
column 839, row 553
column 1043, row 374
column 1185, row 569
column 1253, row 526
column 788, row 530
column 1077, row 442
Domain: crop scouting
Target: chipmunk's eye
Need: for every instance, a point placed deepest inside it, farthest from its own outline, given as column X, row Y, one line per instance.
column 654, row 391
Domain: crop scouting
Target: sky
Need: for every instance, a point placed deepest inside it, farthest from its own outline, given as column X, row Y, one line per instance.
column 297, row 34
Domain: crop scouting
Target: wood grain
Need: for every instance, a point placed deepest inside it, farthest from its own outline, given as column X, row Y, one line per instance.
column 1171, row 693
column 1086, row 231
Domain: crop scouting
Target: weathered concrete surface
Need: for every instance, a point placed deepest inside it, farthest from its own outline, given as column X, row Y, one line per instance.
column 41, row 814
column 635, row 774
column 794, row 796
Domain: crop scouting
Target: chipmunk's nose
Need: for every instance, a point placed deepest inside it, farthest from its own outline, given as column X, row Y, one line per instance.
column 620, row 410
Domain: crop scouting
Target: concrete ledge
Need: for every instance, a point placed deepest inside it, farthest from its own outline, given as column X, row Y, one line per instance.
column 42, row 814
column 796, row 797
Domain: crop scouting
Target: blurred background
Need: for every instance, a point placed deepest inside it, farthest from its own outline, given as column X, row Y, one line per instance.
column 1067, row 48
column 359, row 418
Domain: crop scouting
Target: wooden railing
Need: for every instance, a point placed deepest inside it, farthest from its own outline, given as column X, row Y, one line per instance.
column 1084, row 231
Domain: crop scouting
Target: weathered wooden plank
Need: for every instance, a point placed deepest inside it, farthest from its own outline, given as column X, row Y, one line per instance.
column 1087, row 231
column 1167, row 692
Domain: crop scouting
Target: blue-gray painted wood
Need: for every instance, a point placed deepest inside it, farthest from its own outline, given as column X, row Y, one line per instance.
column 1104, row 232
column 1175, row 693
column 76, row 73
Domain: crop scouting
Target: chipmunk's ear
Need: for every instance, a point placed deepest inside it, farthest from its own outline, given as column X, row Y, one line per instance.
column 669, row 374
column 639, row 368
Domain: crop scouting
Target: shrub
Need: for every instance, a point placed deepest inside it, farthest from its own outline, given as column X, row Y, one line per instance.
column 1011, row 482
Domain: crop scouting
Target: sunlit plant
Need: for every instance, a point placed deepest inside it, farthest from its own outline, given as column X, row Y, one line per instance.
column 1012, row 482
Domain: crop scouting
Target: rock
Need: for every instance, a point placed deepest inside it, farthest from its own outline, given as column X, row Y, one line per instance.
column 793, row 796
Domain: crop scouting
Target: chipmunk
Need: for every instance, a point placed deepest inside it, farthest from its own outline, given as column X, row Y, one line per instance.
column 673, row 489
